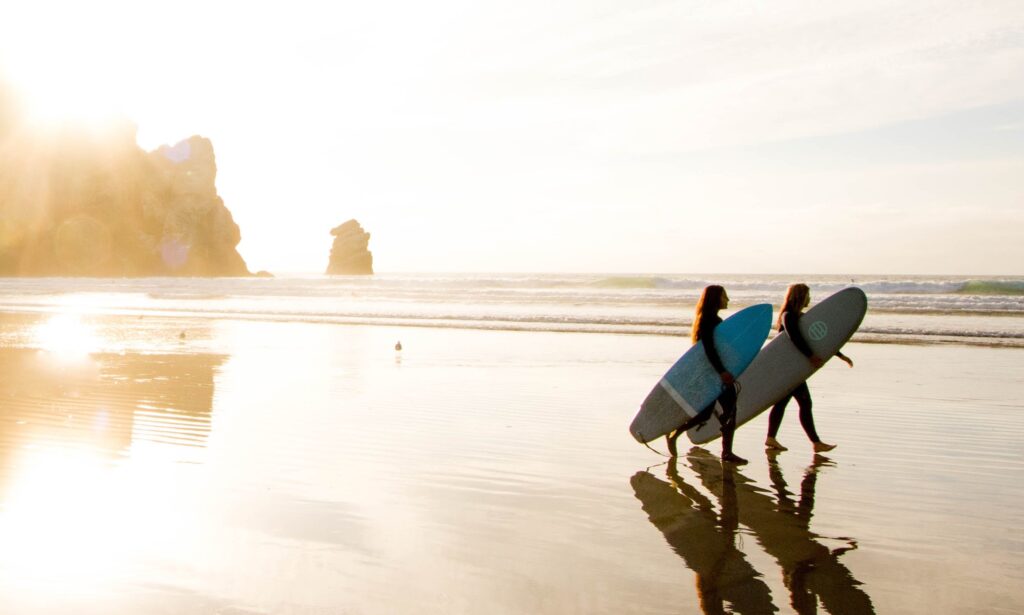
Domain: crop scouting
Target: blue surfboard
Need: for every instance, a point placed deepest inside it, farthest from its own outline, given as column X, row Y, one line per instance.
column 691, row 384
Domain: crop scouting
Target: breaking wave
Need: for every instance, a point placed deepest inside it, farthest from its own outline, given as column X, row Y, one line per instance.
column 901, row 308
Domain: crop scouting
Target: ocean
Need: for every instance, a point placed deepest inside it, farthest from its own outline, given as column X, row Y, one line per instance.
column 901, row 309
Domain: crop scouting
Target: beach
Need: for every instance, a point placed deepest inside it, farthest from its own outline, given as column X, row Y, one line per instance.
column 349, row 308
column 163, row 463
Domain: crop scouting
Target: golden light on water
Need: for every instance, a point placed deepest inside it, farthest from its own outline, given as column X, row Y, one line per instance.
column 51, row 523
column 67, row 336
column 93, row 494
column 73, row 518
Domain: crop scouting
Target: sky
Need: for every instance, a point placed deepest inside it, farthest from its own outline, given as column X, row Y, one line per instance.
column 576, row 136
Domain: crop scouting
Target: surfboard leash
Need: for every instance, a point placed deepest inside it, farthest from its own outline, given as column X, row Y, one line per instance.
column 656, row 450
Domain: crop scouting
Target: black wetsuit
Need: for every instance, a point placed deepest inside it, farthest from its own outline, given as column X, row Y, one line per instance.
column 789, row 323
column 727, row 399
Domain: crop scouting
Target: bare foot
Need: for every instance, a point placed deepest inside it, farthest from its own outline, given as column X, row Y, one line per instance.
column 773, row 444
column 731, row 457
column 821, row 447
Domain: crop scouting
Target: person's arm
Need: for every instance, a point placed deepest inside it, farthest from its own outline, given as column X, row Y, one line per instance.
column 790, row 324
column 707, row 335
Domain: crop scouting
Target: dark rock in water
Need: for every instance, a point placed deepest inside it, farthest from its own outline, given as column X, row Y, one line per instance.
column 75, row 201
column 350, row 254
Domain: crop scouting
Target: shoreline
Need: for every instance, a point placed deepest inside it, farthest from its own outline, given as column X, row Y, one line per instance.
column 547, row 325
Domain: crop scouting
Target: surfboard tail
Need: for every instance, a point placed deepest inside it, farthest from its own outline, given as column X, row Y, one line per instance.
column 660, row 413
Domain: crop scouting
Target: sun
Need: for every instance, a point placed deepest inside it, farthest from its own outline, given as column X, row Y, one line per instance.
column 62, row 103
column 58, row 73
column 58, row 88
column 101, row 67
column 74, row 64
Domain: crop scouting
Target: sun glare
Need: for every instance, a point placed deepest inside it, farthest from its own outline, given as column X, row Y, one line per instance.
column 62, row 105
column 67, row 336
column 66, row 89
column 72, row 518
column 84, row 69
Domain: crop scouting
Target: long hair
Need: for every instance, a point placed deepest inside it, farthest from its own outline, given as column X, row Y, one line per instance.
column 708, row 306
column 796, row 296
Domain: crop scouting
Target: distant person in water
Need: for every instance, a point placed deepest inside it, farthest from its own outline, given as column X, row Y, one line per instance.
column 798, row 297
column 713, row 299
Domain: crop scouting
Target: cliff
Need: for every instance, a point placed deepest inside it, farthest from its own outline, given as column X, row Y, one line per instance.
column 77, row 202
column 350, row 254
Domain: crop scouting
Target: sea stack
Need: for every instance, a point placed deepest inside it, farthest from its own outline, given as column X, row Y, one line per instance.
column 350, row 254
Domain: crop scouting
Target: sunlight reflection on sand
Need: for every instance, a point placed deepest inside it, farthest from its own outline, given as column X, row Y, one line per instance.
column 263, row 467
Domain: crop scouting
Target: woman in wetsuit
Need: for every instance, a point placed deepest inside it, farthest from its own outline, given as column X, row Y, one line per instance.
column 713, row 299
column 798, row 297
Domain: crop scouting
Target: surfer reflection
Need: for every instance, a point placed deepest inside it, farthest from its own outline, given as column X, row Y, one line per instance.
column 706, row 540
column 811, row 571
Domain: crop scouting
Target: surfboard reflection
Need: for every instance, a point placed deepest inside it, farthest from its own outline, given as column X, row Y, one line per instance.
column 706, row 539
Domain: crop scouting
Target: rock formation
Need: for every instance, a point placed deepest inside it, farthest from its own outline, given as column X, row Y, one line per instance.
column 85, row 202
column 350, row 254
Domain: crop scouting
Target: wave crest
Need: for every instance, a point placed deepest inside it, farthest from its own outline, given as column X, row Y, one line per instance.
column 992, row 287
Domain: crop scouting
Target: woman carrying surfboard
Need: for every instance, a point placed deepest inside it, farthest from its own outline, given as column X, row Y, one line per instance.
column 798, row 297
column 713, row 299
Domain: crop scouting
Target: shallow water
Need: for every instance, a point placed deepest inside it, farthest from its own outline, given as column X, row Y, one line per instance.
column 222, row 466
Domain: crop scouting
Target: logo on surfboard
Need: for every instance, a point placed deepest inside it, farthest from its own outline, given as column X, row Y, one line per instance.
column 817, row 331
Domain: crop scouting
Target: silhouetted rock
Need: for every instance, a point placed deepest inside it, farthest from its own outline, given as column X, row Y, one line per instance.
column 83, row 202
column 350, row 254
column 198, row 235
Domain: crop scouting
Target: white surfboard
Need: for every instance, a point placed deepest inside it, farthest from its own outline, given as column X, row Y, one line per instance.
column 780, row 366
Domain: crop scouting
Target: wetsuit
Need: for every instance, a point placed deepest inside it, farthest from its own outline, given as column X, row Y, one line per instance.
column 790, row 324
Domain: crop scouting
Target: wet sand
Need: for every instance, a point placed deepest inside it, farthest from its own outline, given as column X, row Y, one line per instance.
column 218, row 466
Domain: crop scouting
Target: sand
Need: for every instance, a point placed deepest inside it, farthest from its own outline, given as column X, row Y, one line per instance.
column 166, row 465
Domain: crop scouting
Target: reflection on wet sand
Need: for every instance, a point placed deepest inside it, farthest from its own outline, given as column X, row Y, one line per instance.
column 103, row 403
column 88, row 448
column 705, row 539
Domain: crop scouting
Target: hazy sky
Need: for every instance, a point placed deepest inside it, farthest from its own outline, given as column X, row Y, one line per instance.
column 612, row 136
